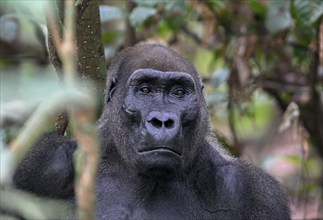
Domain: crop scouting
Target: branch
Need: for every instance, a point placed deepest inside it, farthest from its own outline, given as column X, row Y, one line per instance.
column 54, row 27
column 89, row 44
column 130, row 38
column 83, row 125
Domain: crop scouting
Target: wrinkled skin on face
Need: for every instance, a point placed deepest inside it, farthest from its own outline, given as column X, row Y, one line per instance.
column 157, row 108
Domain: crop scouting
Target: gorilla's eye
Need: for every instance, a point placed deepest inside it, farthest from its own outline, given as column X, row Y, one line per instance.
column 145, row 90
column 179, row 93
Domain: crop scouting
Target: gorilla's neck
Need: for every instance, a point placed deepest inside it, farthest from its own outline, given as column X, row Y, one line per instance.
column 150, row 189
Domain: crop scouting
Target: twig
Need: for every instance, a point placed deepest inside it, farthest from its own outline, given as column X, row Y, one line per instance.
column 130, row 39
column 53, row 28
column 320, row 36
column 67, row 49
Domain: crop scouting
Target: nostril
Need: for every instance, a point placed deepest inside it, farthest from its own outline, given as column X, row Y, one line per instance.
column 169, row 123
column 162, row 126
column 156, row 123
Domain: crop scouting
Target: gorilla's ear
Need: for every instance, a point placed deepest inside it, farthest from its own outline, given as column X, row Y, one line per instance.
column 112, row 88
column 201, row 84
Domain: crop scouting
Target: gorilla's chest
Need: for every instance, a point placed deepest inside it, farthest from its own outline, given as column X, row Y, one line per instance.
column 123, row 200
column 163, row 207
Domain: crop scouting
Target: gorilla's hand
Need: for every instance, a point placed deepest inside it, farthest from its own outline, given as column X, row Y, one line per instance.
column 48, row 168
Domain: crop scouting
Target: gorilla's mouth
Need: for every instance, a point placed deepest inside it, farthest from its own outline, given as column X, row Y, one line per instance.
column 160, row 149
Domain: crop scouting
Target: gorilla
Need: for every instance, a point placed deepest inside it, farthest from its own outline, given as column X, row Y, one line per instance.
column 159, row 157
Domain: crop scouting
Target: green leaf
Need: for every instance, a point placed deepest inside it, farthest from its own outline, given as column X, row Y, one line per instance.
column 294, row 159
column 110, row 36
column 164, row 30
column 140, row 14
column 216, row 4
column 278, row 17
column 110, row 13
column 257, row 6
column 78, row 2
column 176, row 22
column 307, row 12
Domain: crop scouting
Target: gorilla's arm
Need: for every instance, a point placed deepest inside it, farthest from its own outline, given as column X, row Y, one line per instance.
column 48, row 168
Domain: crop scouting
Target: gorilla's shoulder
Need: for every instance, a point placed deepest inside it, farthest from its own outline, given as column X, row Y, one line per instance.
column 264, row 192
column 255, row 186
column 238, row 184
column 258, row 182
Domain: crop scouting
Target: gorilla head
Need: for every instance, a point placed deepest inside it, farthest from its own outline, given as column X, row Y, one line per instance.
column 154, row 110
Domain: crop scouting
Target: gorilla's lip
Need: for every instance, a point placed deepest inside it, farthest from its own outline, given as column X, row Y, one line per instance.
column 160, row 149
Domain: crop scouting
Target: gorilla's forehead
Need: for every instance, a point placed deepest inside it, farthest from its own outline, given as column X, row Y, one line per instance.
column 155, row 57
column 151, row 56
column 140, row 74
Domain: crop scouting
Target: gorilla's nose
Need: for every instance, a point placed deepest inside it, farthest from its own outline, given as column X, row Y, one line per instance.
column 163, row 126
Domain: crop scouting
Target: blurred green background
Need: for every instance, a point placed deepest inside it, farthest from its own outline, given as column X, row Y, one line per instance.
column 261, row 62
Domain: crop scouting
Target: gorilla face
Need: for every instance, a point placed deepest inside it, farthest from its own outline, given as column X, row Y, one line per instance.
column 155, row 116
column 157, row 110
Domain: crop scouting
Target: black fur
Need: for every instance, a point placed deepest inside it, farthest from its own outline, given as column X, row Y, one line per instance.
column 159, row 159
